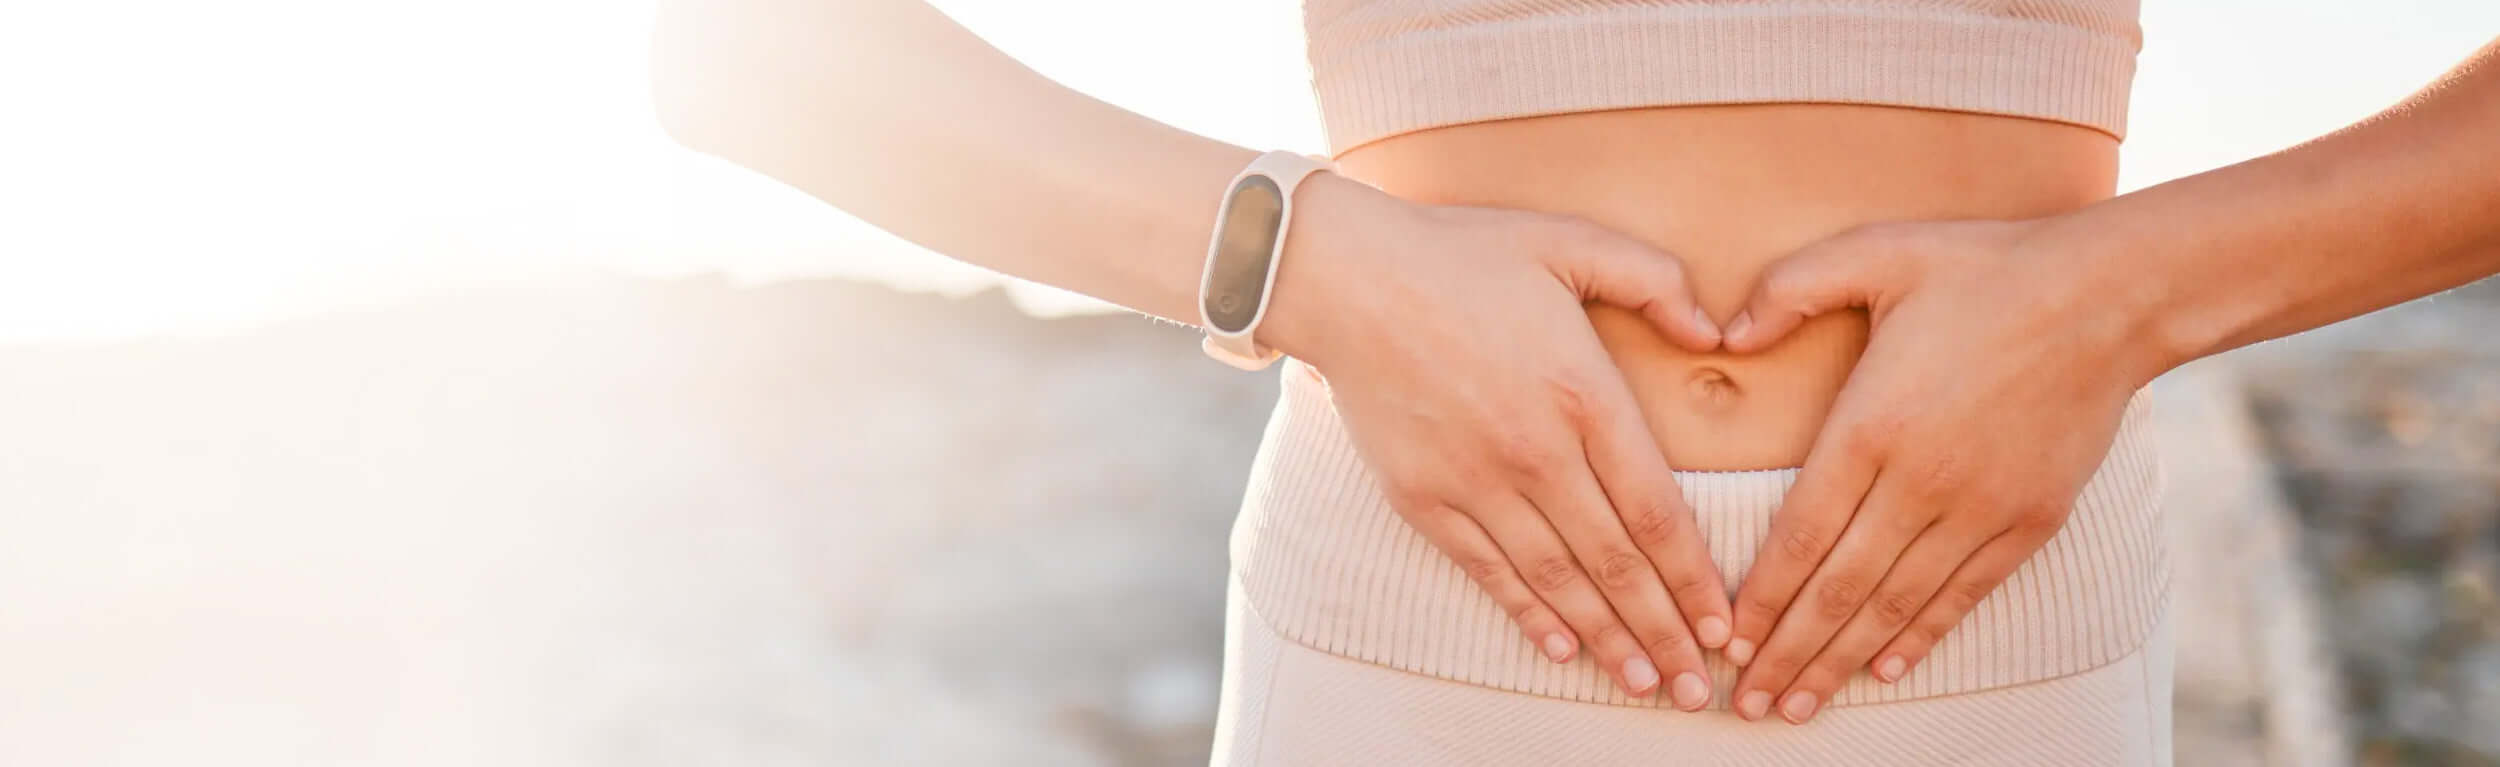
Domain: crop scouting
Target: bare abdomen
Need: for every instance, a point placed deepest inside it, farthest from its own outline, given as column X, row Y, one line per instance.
column 1729, row 189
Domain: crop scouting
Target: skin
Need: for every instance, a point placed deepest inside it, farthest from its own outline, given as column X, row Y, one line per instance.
column 2003, row 353
column 1515, row 318
column 1731, row 190
column 1530, row 467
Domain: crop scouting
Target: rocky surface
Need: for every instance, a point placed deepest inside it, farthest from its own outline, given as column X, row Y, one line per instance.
column 2254, row 686
column 624, row 522
column 2385, row 432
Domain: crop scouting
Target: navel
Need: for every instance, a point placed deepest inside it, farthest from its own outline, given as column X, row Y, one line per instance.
column 1712, row 390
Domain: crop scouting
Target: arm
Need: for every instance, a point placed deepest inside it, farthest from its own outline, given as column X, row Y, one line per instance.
column 2003, row 354
column 1455, row 339
column 2394, row 208
column 897, row 115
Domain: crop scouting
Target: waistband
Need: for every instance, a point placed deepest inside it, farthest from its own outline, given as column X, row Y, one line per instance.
column 1324, row 560
column 1383, row 69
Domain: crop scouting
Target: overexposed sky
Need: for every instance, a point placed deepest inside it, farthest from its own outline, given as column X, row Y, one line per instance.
column 184, row 167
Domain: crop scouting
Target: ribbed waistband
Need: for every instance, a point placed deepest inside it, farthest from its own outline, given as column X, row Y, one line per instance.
column 1322, row 557
column 1377, row 77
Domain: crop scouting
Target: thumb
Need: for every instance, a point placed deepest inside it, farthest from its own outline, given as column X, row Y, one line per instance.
column 1840, row 272
column 1616, row 270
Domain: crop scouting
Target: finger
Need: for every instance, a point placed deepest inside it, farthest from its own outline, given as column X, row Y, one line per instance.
column 1840, row 272
column 1608, row 267
column 1467, row 545
column 1551, row 570
column 1970, row 583
column 1580, row 512
column 1634, row 475
column 1838, row 472
column 1913, row 581
column 1874, row 539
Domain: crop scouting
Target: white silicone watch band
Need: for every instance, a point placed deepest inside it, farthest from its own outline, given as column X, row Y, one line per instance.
column 1240, row 348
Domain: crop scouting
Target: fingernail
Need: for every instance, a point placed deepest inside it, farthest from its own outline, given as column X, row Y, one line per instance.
column 1798, row 708
column 1891, row 669
column 1736, row 327
column 1753, row 705
column 1712, row 631
column 1558, row 648
column 1740, row 652
column 1703, row 325
column 1691, row 691
column 1639, row 676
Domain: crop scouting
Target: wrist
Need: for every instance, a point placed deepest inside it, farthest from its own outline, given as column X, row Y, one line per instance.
column 2120, row 308
column 1309, row 311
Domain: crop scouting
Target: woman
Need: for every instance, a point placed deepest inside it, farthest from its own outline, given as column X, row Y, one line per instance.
column 1465, row 543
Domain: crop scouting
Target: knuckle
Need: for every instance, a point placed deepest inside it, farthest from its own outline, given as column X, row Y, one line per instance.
column 1516, row 229
column 1874, row 436
column 1576, row 232
column 1785, row 283
column 1671, row 274
column 1412, row 501
column 1875, row 234
column 1782, row 665
column 1652, row 525
column 1918, row 635
column 1485, row 571
column 1477, row 478
column 1994, row 501
column 1524, row 612
column 1610, row 633
column 1621, row 570
column 1894, row 608
column 1666, row 643
column 1554, row 574
column 1758, row 606
column 1689, row 587
column 1826, row 673
column 2039, row 517
column 1837, row 597
column 1942, row 475
column 1967, row 595
column 1523, row 455
column 1559, row 237
column 1801, row 544
column 1933, row 632
column 1907, row 522
column 1892, row 243
column 1575, row 399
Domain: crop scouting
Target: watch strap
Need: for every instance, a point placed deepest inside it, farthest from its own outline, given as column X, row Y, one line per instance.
column 1241, row 348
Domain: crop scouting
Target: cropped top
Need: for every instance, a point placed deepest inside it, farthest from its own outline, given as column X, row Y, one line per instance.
column 1385, row 67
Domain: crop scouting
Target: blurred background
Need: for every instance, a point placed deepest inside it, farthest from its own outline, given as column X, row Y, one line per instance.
column 378, row 385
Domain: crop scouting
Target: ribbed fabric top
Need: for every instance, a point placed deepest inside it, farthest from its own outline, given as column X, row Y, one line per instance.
column 1385, row 67
column 1322, row 557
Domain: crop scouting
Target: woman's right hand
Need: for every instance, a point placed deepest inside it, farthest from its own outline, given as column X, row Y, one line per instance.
column 1458, row 351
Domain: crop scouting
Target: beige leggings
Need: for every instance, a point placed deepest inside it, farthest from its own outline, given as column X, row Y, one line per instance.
column 1351, row 640
column 1288, row 704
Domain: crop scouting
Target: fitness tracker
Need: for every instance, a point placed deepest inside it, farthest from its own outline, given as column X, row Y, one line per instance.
column 1242, row 257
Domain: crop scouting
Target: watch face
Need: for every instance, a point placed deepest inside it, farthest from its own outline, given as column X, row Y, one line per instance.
column 1245, row 243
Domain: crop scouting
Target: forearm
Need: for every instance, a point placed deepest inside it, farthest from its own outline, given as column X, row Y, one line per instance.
column 897, row 115
column 2403, row 205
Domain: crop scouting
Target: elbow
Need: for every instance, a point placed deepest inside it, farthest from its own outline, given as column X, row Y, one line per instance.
column 672, row 103
column 685, row 123
column 682, row 73
column 677, row 117
column 708, row 61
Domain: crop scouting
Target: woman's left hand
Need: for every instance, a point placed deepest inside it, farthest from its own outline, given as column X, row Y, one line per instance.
column 1990, row 389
